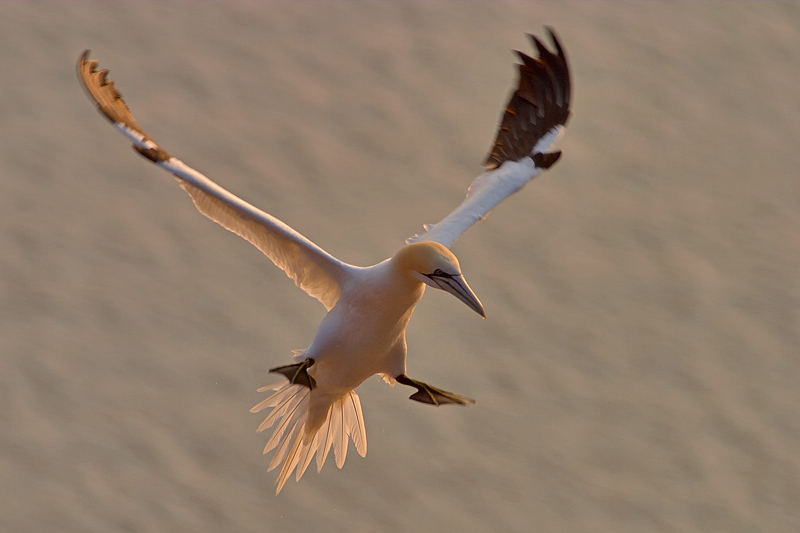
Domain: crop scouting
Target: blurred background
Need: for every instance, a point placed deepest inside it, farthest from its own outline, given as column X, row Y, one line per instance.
column 638, row 369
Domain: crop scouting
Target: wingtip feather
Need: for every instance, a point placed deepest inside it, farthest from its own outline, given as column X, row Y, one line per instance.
column 546, row 160
column 540, row 103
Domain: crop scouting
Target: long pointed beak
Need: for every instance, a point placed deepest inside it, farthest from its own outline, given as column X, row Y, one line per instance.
column 458, row 287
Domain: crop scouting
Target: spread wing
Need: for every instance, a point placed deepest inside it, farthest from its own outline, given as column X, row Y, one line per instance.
column 533, row 119
column 312, row 269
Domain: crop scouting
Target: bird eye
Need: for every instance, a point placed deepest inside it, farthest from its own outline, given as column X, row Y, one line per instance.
column 438, row 272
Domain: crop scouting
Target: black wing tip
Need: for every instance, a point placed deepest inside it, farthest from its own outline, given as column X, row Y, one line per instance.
column 554, row 37
column 104, row 94
column 525, row 58
column 546, row 160
column 86, row 67
column 101, row 91
column 540, row 103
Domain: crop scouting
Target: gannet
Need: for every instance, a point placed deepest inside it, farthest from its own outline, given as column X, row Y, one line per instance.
column 314, row 404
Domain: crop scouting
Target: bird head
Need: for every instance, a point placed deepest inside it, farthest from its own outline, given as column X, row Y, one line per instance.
column 437, row 267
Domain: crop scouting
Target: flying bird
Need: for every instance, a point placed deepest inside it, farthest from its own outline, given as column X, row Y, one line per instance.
column 314, row 405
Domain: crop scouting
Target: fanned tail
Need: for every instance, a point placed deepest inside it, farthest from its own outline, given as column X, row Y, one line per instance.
column 296, row 441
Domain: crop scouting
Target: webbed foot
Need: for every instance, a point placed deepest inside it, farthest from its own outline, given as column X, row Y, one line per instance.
column 297, row 373
column 429, row 394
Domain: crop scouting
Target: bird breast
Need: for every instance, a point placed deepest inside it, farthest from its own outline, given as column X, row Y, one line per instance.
column 364, row 333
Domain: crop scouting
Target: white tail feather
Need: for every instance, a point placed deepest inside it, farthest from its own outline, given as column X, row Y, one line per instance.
column 356, row 424
column 340, row 438
column 280, row 408
column 290, row 413
column 287, row 432
column 296, row 445
column 289, row 464
column 327, row 429
column 305, row 456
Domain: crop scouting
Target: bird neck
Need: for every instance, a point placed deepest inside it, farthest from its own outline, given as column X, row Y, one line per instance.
column 404, row 277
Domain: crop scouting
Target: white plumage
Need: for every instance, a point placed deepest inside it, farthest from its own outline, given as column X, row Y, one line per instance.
column 314, row 406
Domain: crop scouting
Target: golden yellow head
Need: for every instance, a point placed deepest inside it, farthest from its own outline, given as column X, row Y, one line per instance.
column 437, row 267
column 427, row 257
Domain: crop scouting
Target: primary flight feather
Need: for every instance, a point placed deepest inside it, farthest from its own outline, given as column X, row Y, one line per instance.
column 314, row 405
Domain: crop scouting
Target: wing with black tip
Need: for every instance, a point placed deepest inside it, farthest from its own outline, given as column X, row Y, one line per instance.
column 312, row 269
column 533, row 119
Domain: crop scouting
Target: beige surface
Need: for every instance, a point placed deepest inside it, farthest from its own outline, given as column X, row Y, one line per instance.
column 638, row 370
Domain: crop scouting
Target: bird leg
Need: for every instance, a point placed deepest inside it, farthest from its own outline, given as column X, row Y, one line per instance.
column 428, row 394
column 297, row 373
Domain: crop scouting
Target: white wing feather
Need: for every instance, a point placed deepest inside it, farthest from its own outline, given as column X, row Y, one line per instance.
column 312, row 269
column 485, row 192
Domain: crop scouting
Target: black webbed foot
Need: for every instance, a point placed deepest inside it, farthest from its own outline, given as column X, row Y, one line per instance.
column 428, row 394
column 297, row 373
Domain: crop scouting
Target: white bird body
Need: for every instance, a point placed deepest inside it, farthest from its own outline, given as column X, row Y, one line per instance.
column 367, row 325
column 363, row 335
column 315, row 405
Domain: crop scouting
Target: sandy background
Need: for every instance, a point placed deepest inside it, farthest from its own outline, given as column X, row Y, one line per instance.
column 638, row 370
